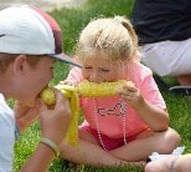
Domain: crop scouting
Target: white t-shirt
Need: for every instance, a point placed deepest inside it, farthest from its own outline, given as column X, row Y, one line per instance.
column 7, row 136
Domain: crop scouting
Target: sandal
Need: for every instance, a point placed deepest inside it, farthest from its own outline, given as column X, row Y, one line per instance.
column 178, row 89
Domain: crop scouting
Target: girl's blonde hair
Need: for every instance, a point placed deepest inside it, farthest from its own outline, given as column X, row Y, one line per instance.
column 109, row 37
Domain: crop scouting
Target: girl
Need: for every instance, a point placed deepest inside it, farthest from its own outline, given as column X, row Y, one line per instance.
column 126, row 127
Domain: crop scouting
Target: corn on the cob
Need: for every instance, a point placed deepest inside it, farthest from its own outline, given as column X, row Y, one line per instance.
column 48, row 96
column 90, row 89
column 87, row 89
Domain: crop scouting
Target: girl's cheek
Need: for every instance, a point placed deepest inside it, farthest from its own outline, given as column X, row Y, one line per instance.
column 85, row 74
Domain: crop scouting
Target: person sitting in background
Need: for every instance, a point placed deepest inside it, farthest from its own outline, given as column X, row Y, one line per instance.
column 163, row 28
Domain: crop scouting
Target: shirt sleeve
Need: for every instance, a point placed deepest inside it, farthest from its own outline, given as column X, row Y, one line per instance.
column 150, row 91
column 75, row 75
column 7, row 136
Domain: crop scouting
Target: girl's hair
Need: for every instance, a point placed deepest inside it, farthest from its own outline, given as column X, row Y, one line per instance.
column 7, row 59
column 109, row 37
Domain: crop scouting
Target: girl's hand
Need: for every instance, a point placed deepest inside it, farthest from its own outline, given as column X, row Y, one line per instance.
column 54, row 122
column 132, row 95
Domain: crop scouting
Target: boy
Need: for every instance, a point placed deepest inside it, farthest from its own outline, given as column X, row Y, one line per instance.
column 30, row 40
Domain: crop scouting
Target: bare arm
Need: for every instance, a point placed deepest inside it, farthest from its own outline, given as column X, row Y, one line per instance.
column 39, row 160
column 53, row 124
column 155, row 117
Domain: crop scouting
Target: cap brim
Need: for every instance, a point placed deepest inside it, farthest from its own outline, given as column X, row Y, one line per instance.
column 65, row 58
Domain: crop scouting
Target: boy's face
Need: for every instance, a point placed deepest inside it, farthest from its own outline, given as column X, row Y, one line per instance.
column 30, row 80
column 100, row 69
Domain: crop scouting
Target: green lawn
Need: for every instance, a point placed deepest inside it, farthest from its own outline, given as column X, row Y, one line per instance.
column 72, row 21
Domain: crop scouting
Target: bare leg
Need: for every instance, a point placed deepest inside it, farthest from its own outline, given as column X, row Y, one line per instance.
column 91, row 154
column 184, row 79
column 140, row 149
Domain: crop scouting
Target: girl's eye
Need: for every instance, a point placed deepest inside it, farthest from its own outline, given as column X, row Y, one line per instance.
column 104, row 70
column 87, row 67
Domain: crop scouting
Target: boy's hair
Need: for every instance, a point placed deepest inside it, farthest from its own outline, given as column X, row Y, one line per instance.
column 110, row 37
column 7, row 59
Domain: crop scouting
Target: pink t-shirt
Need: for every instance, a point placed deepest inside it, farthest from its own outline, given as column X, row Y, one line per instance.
column 111, row 115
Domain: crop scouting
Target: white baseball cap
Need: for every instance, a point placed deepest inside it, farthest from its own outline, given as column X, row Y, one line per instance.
column 31, row 31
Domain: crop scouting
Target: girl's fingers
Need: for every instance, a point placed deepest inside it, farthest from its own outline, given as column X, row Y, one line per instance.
column 127, row 90
column 127, row 97
column 130, row 89
column 127, row 93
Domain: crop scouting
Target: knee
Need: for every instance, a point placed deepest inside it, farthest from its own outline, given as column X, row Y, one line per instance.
column 150, row 168
column 171, row 141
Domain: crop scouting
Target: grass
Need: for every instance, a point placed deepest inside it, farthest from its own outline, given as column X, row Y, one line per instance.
column 71, row 22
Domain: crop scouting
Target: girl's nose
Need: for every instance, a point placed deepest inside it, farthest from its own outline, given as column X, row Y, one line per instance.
column 95, row 77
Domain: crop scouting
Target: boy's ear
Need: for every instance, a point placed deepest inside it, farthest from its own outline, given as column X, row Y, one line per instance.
column 19, row 63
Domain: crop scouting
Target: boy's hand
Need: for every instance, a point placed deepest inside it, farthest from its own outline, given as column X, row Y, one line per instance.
column 54, row 122
column 132, row 95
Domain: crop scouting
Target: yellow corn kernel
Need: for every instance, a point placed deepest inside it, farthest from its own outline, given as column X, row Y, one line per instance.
column 48, row 96
column 67, row 90
column 91, row 89
column 65, row 87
